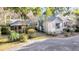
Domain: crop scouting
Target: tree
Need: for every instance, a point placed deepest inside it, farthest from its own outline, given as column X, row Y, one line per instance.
column 62, row 10
column 20, row 10
column 76, row 11
column 39, row 11
column 48, row 11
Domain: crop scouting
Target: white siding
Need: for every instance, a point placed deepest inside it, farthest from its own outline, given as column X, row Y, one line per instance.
column 50, row 26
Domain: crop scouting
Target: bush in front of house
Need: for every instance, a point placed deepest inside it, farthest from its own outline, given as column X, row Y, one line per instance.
column 54, row 34
column 31, row 33
column 23, row 37
column 29, row 27
column 66, row 32
column 4, row 30
column 77, row 29
column 14, row 36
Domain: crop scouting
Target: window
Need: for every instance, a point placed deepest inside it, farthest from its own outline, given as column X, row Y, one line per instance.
column 57, row 25
column 19, row 27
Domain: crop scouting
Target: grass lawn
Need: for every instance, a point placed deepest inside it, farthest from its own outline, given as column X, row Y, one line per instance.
column 5, row 45
column 39, row 38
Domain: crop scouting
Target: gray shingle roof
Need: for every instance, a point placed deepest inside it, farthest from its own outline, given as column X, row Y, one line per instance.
column 51, row 18
column 20, row 22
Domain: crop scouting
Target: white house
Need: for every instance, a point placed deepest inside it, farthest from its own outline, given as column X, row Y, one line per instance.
column 53, row 25
column 56, row 24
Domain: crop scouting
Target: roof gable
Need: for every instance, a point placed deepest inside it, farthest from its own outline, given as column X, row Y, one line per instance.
column 52, row 18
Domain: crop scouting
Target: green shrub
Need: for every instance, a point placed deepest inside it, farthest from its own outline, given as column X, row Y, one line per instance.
column 65, row 31
column 31, row 33
column 77, row 29
column 23, row 38
column 66, row 34
column 4, row 30
column 54, row 34
column 29, row 27
column 14, row 36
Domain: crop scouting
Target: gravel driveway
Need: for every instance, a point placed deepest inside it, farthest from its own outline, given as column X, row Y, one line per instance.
column 52, row 44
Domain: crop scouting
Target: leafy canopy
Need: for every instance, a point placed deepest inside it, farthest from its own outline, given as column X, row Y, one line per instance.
column 49, row 11
column 76, row 11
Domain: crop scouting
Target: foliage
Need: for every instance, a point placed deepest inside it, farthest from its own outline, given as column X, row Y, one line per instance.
column 4, row 30
column 76, row 11
column 77, row 29
column 54, row 34
column 62, row 10
column 39, row 11
column 31, row 33
column 66, row 32
column 67, row 13
column 70, row 30
column 48, row 12
column 31, row 30
column 14, row 36
column 29, row 27
column 23, row 37
column 21, row 10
